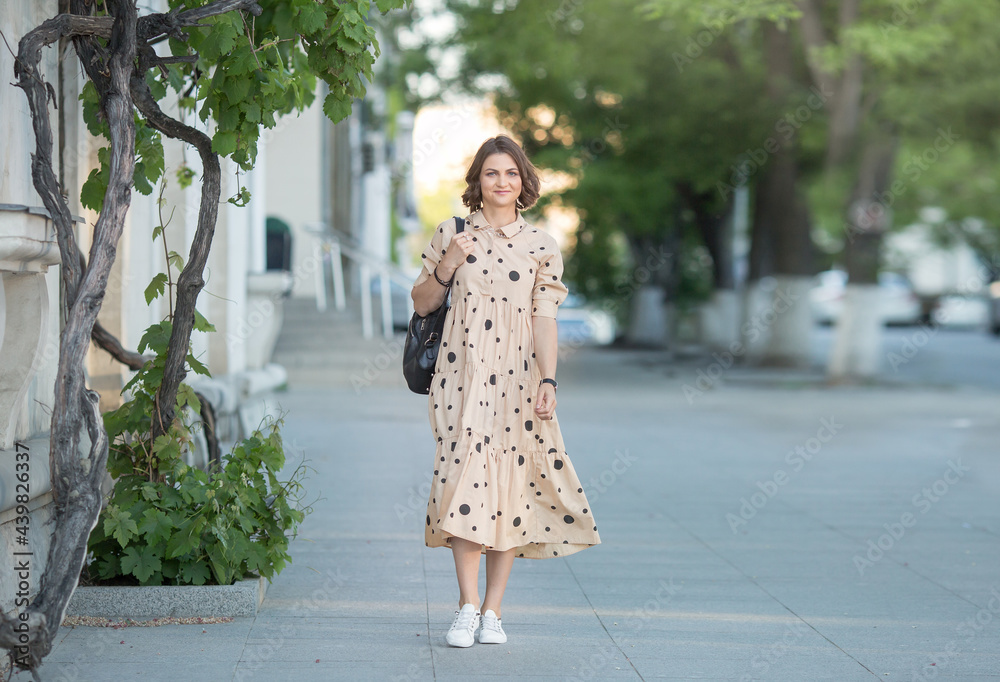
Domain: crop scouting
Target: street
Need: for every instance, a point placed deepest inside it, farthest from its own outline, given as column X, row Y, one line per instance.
column 761, row 531
column 931, row 355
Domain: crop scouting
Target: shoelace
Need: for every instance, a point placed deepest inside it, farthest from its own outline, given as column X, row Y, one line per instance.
column 491, row 623
column 464, row 622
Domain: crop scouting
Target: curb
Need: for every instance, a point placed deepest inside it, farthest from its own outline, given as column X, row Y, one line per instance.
column 178, row 601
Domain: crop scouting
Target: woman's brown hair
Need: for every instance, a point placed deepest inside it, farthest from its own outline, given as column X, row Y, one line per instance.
column 501, row 144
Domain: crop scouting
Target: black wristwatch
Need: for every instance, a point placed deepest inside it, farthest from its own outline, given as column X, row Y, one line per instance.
column 550, row 381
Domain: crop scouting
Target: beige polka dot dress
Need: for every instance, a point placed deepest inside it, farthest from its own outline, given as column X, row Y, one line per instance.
column 502, row 477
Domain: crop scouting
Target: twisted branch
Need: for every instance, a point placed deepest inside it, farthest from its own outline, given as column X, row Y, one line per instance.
column 76, row 477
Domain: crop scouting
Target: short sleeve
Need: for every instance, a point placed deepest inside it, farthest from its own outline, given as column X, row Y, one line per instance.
column 549, row 289
column 434, row 251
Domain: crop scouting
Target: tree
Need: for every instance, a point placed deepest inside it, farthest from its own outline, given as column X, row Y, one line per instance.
column 646, row 133
column 241, row 74
column 891, row 75
column 902, row 74
column 776, row 319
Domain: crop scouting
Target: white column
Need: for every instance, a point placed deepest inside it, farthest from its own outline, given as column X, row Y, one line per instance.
column 256, row 182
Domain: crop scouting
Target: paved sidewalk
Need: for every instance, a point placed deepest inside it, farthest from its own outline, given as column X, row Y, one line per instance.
column 749, row 532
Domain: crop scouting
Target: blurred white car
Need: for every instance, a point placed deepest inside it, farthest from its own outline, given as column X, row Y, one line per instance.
column 965, row 312
column 582, row 324
column 900, row 303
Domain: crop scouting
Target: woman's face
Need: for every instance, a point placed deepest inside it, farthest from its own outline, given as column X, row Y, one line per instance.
column 500, row 181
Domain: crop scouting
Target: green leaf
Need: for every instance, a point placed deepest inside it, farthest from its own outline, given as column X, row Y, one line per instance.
column 155, row 526
column 156, row 338
column 336, row 108
column 92, row 192
column 197, row 366
column 184, row 540
column 224, row 36
column 272, row 457
column 241, row 199
column 224, row 142
column 257, row 558
column 139, row 179
column 175, row 77
column 223, row 571
column 310, row 18
column 251, row 110
column 91, row 109
column 119, row 524
column 140, row 563
column 166, row 449
column 241, row 60
column 175, row 259
column 187, row 396
column 149, row 155
column 201, row 324
column 195, row 573
column 170, row 569
column 156, row 287
column 109, row 567
column 185, row 176
column 150, row 492
column 237, row 88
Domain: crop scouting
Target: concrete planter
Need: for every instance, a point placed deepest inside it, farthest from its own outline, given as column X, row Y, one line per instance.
column 178, row 601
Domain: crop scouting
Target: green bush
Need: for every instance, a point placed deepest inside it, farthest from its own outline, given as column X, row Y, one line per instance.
column 169, row 523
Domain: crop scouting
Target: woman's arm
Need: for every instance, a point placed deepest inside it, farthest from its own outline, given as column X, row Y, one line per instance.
column 429, row 295
column 546, row 347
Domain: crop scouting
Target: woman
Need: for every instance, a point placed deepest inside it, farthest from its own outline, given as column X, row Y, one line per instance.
column 502, row 484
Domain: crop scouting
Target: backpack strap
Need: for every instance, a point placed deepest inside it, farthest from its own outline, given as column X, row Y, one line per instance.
column 459, row 227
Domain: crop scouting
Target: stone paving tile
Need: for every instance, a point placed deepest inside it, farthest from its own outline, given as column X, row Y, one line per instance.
column 325, row 671
column 149, row 669
column 916, row 663
column 617, row 674
column 541, row 656
column 783, row 667
column 672, row 592
column 357, row 650
column 165, row 642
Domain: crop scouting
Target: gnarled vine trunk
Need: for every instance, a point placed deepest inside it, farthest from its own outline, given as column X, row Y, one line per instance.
column 76, row 476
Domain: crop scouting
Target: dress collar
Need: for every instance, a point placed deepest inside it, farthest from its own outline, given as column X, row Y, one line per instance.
column 479, row 222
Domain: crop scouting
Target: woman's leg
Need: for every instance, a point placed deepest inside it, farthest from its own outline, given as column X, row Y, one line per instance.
column 466, row 554
column 498, row 565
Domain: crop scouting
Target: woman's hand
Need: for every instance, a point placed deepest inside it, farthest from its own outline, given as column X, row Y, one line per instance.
column 545, row 402
column 429, row 295
column 459, row 248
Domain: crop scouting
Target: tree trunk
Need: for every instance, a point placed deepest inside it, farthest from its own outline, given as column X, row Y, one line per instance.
column 651, row 305
column 76, row 477
column 191, row 280
column 719, row 317
column 844, row 95
column 857, row 343
column 715, row 228
column 653, row 284
column 778, row 322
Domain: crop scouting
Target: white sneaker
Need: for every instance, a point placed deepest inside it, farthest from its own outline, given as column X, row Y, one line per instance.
column 492, row 632
column 463, row 630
